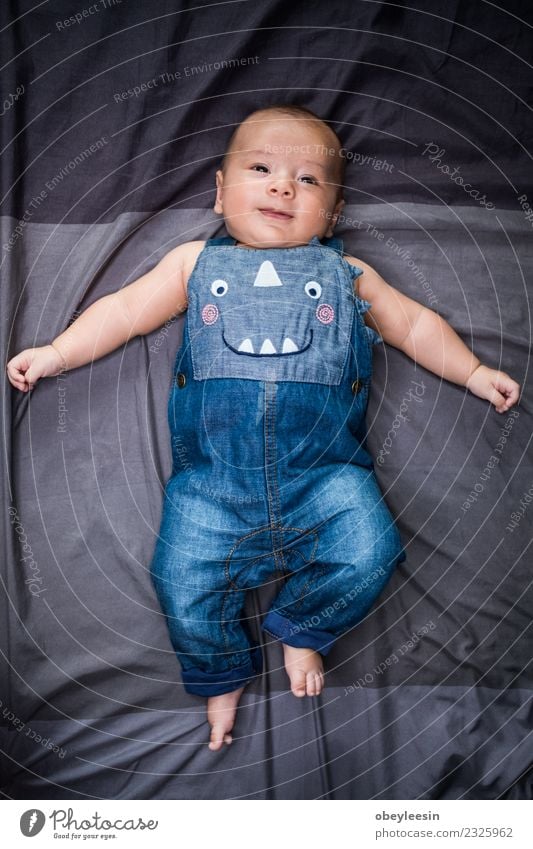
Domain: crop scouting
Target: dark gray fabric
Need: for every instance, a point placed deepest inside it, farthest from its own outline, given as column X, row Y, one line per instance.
column 387, row 743
column 87, row 662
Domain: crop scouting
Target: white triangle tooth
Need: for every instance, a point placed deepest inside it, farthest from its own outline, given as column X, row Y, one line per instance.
column 267, row 275
column 246, row 346
column 288, row 346
column 267, row 347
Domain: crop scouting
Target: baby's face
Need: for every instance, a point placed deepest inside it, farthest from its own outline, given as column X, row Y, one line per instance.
column 279, row 187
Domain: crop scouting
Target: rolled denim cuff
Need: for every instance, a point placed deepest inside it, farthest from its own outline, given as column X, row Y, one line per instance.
column 200, row 683
column 292, row 634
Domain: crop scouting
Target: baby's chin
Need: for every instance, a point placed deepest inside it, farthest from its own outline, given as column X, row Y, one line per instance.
column 270, row 244
column 270, row 241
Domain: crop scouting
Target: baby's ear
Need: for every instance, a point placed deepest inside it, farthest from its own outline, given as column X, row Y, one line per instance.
column 218, row 200
column 336, row 212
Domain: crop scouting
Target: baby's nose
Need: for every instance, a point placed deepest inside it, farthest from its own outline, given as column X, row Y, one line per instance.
column 282, row 187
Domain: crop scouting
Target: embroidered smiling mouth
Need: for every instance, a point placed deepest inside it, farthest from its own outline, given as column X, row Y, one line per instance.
column 267, row 349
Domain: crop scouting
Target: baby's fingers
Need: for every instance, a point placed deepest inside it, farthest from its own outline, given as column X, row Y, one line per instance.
column 499, row 401
column 19, row 384
column 505, row 392
column 507, row 388
column 16, row 376
column 20, row 368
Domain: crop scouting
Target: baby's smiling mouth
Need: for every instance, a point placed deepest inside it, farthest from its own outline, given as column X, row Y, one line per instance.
column 276, row 213
column 267, row 349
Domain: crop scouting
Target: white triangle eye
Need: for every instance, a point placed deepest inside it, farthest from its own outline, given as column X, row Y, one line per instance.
column 219, row 288
column 313, row 289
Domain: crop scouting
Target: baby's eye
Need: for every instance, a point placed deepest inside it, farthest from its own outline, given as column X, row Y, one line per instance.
column 311, row 180
column 262, row 168
column 313, row 289
column 219, row 288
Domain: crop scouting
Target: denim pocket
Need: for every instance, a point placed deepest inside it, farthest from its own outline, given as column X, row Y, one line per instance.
column 270, row 315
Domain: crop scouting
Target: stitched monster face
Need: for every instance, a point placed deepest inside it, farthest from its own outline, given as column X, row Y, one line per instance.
column 277, row 314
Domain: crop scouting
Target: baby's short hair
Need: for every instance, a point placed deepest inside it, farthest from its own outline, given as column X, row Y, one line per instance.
column 304, row 114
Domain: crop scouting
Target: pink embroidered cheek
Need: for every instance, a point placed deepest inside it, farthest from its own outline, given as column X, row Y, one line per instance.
column 325, row 313
column 209, row 314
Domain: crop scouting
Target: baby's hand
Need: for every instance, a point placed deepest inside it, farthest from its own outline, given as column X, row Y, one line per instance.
column 496, row 386
column 26, row 368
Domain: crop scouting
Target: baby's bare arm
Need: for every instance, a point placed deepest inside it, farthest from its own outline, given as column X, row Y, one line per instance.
column 135, row 310
column 107, row 324
column 414, row 329
column 429, row 340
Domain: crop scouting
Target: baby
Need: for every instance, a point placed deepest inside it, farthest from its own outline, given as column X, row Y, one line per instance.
column 266, row 411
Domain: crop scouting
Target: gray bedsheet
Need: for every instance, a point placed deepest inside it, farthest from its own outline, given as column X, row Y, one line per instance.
column 430, row 696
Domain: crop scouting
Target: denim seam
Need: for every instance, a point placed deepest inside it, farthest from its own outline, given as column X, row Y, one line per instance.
column 270, row 477
column 322, row 568
column 309, row 559
column 306, row 532
column 227, row 573
column 225, row 598
column 277, row 493
column 350, row 332
column 317, row 575
column 232, row 585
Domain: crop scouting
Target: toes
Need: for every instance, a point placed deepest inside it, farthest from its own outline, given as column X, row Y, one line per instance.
column 298, row 683
column 314, row 683
column 305, row 671
column 218, row 738
column 309, row 684
column 221, row 712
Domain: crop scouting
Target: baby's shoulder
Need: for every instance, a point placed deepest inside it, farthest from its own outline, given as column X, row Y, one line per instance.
column 181, row 260
column 189, row 253
column 369, row 284
column 357, row 262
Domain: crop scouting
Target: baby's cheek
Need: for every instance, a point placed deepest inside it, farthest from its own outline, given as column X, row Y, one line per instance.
column 210, row 314
column 325, row 313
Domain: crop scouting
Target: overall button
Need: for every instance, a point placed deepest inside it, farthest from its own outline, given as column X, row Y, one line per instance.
column 181, row 379
column 357, row 385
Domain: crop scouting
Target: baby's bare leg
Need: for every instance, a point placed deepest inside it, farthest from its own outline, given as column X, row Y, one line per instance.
column 221, row 717
column 305, row 670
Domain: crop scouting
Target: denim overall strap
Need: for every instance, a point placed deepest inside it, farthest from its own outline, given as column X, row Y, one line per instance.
column 221, row 240
column 329, row 242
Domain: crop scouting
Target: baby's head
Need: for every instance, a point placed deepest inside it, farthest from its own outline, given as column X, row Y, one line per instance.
column 281, row 179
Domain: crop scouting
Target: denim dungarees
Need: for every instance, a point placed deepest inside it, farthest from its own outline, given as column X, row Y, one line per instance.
column 270, row 473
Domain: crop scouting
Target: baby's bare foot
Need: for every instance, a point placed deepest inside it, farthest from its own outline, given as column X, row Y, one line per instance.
column 305, row 669
column 221, row 716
